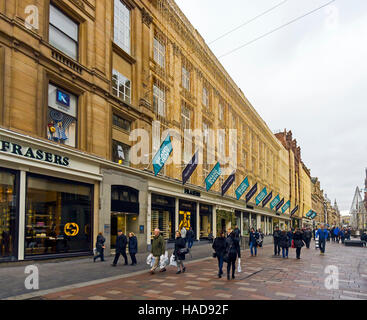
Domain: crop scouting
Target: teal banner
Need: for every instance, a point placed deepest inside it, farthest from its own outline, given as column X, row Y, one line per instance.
column 242, row 188
column 308, row 214
column 162, row 155
column 260, row 197
column 213, row 176
column 286, row 206
column 275, row 201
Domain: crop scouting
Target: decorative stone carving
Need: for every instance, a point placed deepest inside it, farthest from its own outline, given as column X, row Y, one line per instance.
column 146, row 17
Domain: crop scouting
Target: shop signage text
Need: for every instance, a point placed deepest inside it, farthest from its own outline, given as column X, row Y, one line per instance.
column 190, row 168
column 36, row 154
column 162, row 155
column 261, row 196
column 294, row 210
column 192, row 192
column 279, row 205
column 274, row 202
column 242, row 188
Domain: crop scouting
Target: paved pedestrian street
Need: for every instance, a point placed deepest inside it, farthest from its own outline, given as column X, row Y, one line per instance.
column 263, row 277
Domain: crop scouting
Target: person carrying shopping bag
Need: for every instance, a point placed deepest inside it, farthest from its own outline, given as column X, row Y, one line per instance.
column 158, row 249
column 219, row 246
column 100, row 247
column 179, row 255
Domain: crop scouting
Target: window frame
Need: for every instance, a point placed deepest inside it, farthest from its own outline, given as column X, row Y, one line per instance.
column 61, row 31
column 118, row 82
column 160, row 99
column 116, row 40
column 159, row 51
column 186, row 75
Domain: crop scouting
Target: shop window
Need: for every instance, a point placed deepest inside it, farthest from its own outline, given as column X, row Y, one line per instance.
column 159, row 52
column 254, row 221
column 159, row 100
column 63, row 33
column 8, row 213
column 62, row 116
column 120, row 153
column 58, row 216
column 122, row 25
column 246, row 224
column 121, row 86
column 121, row 123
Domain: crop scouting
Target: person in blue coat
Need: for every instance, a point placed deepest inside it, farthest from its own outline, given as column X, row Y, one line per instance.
column 133, row 247
column 336, row 233
column 342, row 235
column 322, row 234
column 254, row 237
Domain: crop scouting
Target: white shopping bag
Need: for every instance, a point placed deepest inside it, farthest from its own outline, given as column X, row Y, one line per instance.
column 317, row 246
column 172, row 261
column 164, row 260
column 149, row 259
column 239, row 266
column 95, row 251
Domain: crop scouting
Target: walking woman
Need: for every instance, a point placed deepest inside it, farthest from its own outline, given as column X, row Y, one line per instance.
column 232, row 251
column 284, row 243
column 298, row 242
column 254, row 237
column 179, row 244
column 133, row 247
column 219, row 246
column 100, row 247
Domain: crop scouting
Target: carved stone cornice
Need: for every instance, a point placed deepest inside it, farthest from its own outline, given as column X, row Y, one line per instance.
column 147, row 19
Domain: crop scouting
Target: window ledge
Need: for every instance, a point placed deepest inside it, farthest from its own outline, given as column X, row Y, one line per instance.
column 121, row 52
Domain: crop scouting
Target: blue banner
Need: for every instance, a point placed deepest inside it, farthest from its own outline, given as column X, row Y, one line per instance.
column 226, row 185
column 313, row 215
column 190, row 168
column 213, row 176
column 286, row 206
column 260, row 197
column 267, row 199
column 251, row 193
column 274, row 202
column 242, row 188
column 308, row 213
column 279, row 205
column 162, row 155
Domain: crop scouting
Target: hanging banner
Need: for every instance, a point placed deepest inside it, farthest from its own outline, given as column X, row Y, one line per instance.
column 279, row 205
column 294, row 210
column 267, row 199
column 190, row 168
column 308, row 213
column 274, row 202
column 313, row 215
column 213, row 176
column 242, row 188
column 251, row 193
column 162, row 155
column 226, row 185
column 260, row 197
column 286, row 206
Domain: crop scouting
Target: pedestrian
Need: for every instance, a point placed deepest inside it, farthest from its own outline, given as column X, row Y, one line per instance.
column 100, row 247
column 336, row 233
column 328, row 234
column 190, row 235
column 364, row 238
column 237, row 232
column 290, row 237
column 284, row 243
column 121, row 242
column 253, row 241
column 276, row 237
column 342, row 235
column 133, row 247
column 183, row 232
column 158, row 249
column 322, row 234
column 179, row 244
column 219, row 246
column 307, row 237
column 298, row 242
column 313, row 233
column 332, row 234
column 349, row 232
column 232, row 252
column 261, row 238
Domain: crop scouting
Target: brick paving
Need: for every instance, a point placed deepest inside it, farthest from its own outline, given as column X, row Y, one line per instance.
column 264, row 277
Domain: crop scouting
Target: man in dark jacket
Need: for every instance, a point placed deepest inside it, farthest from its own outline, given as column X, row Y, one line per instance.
column 100, row 247
column 284, row 243
column 232, row 251
column 133, row 247
column 219, row 246
column 298, row 242
column 307, row 237
column 276, row 237
column 190, row 235
column 332, row 234
column 254, row 237
column 121, row 242
column 237, row 232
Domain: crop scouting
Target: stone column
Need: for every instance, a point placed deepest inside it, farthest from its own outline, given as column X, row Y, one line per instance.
column 176, row 213
column 214, row 221
column 198, row 221
column 149, row 219
column 22, row 209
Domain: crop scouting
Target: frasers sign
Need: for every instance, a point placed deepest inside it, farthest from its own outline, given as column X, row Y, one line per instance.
column 31, row 153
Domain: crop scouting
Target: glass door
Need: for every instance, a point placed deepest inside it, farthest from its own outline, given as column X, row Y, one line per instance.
column 8, row 215
column 118, row 222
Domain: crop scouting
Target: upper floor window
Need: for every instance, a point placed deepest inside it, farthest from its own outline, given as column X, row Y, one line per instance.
column 221, row 111
column 221, row 142
column 185, row 78
column 159, row 53
column 205, row 132
column 120, row 153
column 121, row 35
column 159, row 100
column 121, row 86
column 121, row 123
column 205, row 97
column 185, row 118
column 62, row 116
column 63, row 33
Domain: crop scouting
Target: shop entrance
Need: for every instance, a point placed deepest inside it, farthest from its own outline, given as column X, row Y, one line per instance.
column 225, row 220
column 118, row 222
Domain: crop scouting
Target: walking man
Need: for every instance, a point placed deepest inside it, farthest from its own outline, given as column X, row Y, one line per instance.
column 158, row 248
column 276, row 237
column 190, row 235
column 322, row 234
column 183, row 232
column 121, row 242
column 307, row 235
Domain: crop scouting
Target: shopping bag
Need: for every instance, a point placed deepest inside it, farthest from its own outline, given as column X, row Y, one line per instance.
column 164, row 260
column 172, row 261
column 95, row 251
column 293, row 246
column 239, row 265
column 149, row 259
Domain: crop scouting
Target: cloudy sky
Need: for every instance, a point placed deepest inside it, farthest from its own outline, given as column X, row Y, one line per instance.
column 309, row 77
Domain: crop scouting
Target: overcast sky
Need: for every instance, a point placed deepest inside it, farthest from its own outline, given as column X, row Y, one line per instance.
column 309, row 77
